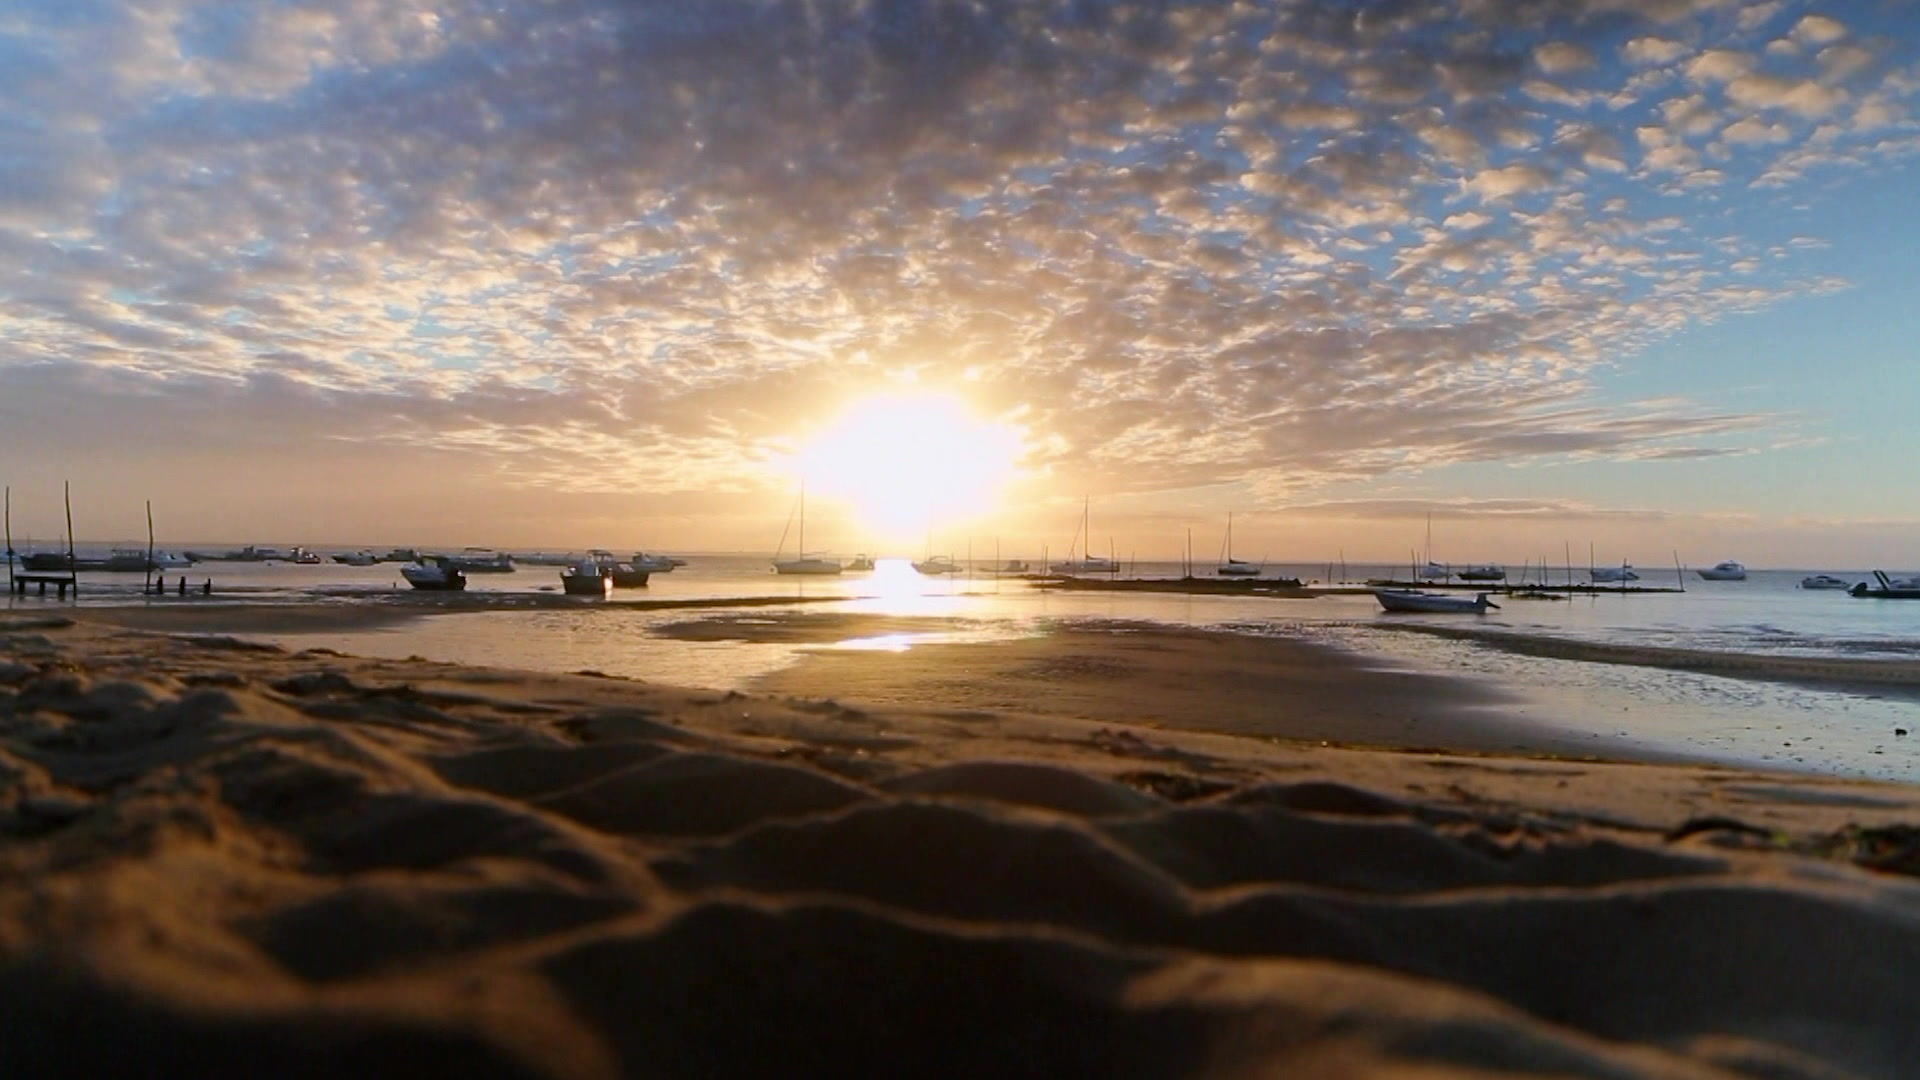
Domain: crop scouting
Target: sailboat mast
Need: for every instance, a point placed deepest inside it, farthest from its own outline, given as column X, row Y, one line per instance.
column 803, row 519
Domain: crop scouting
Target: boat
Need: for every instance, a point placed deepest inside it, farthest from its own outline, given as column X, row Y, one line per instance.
column 1890, row 588
column 302, row 557
column 46, row 561
column 1087, row 563
column 1411, row 600
column 434, row 573
column 861, row 561
column 357, row 558
column 546, row 558
column 653, row 564
column 802, row 563
column 1230, row 566
column 1608, row 575
column 134, row 561
column 936, row 565
column 625, row 575
column 1482, row 572
column 1824, row 581
column 587, row 578
column 1013, row 566
column 480, row 560
column 1725, row 571
column 401, row 555
column 1433, row 571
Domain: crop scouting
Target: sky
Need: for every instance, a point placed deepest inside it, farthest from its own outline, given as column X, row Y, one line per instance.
column 1639, row 274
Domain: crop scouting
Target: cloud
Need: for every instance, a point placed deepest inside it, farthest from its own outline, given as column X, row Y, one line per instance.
column 1818, row 30
column 1652, row 50
column 663, row 239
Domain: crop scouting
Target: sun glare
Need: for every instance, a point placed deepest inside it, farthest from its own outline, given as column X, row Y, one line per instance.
column 910, row 462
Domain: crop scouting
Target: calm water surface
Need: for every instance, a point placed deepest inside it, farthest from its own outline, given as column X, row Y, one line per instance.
column 1617, row 706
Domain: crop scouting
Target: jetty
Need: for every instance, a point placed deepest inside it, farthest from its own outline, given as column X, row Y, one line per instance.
column 62, row 579
column 1287, row 588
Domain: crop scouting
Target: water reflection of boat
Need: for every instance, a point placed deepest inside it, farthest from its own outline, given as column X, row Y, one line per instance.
column 1409, row 600
column 434, row 573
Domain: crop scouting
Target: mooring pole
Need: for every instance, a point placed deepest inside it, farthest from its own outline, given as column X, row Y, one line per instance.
column 73, row 565
column 163, row 581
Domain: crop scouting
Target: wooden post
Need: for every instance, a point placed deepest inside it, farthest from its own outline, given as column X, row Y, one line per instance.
column 9, row 540
column 73, row 565
column 163, row 581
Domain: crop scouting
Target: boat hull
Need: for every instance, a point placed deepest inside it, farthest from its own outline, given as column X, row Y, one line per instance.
column 436, row 582
column 1427, row 603
column 587, row 584
column 808, row 568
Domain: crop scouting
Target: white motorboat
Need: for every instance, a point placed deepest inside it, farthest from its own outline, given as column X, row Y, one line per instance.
column 1433, row 571
column 936, row 565
column 654, row 564
column 135, row 561
column 1824, row 581
column 862, row 561
column 434, row 573
column 803, row 564
column 357, row 558
column 1610, row 575
column 480, row 560
column 1410, row 600
column 1726, row 571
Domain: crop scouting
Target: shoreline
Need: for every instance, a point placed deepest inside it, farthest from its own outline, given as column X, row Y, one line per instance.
column 1872, row 674
column 235, row 856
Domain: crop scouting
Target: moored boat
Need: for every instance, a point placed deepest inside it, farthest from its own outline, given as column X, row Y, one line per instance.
column 1482, row 572
column 1411, row 600
column 587, row 579
column 434, row 573
column 356, row 558
column 480, row 560
column 803, row 564
column 1889, row 589
column 1824, row 581
column 1724, row 571
column 862, row 561
column 936, row 565
column 1609, row 575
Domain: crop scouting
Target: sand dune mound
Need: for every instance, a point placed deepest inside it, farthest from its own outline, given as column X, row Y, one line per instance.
column 312, row 866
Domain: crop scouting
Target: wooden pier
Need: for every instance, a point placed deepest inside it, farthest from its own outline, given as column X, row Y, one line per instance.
column 19, row 580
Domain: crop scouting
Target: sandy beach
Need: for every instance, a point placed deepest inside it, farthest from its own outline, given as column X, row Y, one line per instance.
column 1046, row 856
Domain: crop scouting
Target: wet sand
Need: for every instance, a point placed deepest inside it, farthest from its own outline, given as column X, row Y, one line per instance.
column 221, row 857
column 1840, row 673
column 364, row 612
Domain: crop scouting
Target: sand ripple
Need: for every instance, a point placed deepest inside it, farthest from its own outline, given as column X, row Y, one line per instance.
column 218, row 862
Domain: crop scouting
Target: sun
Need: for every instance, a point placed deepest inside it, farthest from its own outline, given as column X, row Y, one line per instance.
column 914, row 461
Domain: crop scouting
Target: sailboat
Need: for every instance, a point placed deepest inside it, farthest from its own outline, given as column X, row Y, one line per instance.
column 801, row 563
column 1087, row 563
column 1233, row 567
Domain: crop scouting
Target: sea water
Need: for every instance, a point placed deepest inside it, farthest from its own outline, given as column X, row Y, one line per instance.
column 1619, row 708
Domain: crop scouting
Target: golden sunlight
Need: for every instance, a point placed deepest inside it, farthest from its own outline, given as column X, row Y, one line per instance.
column 911, row 461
